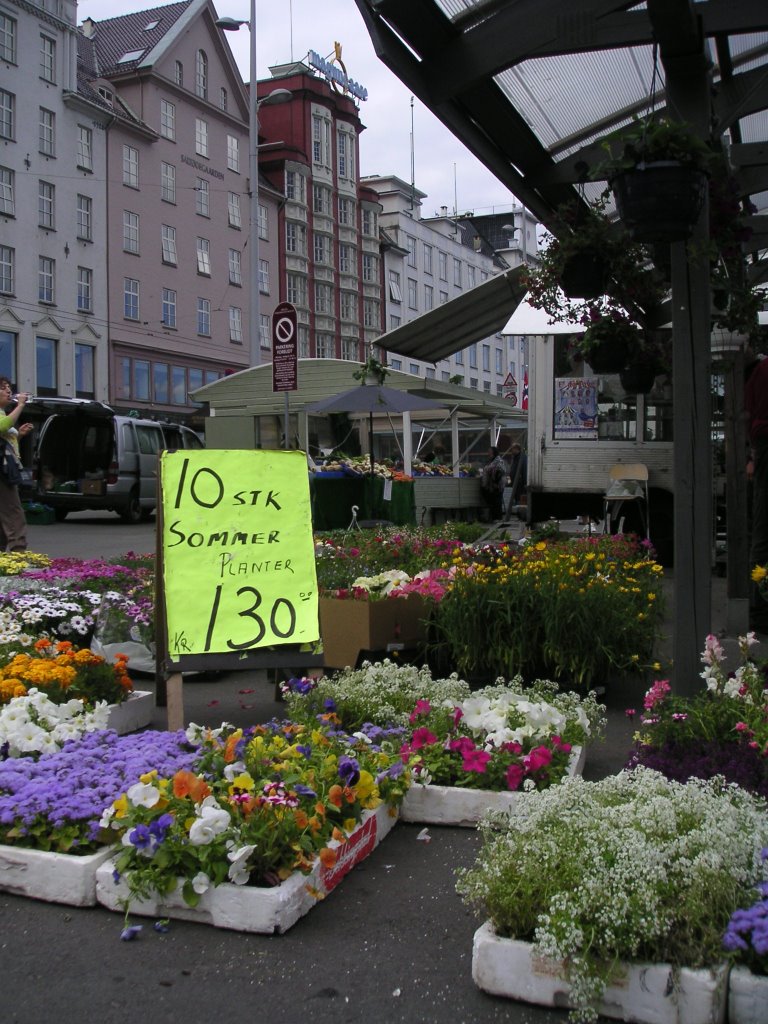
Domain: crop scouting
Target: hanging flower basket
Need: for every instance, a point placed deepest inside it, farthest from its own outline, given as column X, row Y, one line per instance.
column 584, row 276
column 608, row 356
column 660, row 202
column 638, row 378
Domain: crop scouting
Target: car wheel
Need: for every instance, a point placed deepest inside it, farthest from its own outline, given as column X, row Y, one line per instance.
column 146, row 514
column 61, row 514
column 131, row 513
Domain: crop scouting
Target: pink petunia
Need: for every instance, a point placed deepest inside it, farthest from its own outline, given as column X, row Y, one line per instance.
column 476, row 761
column 515, row 776
column 423, row 707
column 464, row 745
column 539, row 757
column 422, row 737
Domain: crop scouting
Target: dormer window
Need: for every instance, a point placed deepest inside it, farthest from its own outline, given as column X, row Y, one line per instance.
column 129, row 56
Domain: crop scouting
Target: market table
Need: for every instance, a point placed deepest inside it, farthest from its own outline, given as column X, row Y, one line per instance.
column 334, row 494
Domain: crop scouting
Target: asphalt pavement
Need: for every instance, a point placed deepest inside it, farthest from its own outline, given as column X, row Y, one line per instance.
column 393, row 943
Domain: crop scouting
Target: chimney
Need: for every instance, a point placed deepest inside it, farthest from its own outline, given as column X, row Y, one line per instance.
column 88, row 28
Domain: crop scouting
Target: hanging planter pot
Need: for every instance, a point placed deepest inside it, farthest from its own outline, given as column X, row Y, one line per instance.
column 660, row 202
column 638, row 378
column 584, row 276
column 608, row 356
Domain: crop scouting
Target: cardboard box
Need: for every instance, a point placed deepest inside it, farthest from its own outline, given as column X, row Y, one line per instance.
column 98, row 487
column 348, row 626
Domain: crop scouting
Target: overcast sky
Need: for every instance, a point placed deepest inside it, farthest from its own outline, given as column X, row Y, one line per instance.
column 289, row 29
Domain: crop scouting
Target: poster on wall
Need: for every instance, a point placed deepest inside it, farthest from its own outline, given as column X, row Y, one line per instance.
column 575, row 408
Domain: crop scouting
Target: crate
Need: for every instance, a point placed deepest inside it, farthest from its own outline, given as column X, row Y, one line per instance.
column 97, row 487
column 39, row 516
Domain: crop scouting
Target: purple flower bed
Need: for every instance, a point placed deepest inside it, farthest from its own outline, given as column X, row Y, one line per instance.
column 78, row 571
column 56, row 802
column 736, row 761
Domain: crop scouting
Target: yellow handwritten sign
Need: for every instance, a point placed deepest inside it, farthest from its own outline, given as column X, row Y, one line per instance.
column 239, row 559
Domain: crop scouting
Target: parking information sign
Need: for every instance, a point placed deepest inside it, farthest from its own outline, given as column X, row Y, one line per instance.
column 284, row 348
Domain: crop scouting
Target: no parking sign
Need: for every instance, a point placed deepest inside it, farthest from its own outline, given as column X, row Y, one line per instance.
column 284, row 348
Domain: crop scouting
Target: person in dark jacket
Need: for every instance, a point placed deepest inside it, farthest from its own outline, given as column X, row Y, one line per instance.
column 493, row 481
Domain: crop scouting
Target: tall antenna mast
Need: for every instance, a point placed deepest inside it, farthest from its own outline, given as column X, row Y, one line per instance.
column 413, row 161
column 455, row 194
column 290, row 17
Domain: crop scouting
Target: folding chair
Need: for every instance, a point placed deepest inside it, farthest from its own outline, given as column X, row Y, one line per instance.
column 628, row 483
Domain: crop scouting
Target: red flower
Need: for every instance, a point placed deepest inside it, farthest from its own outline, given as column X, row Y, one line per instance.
column 515, row 776
column 539, row 757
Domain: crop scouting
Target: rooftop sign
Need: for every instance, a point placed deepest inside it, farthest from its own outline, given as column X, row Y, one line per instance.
column 336, row 73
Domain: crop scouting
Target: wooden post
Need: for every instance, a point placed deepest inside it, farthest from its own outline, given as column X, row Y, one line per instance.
column 174, row 691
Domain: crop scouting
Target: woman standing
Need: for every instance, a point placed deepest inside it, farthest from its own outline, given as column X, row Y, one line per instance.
column 13, row 523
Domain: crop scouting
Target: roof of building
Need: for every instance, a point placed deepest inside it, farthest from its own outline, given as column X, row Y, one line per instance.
column 120, row 44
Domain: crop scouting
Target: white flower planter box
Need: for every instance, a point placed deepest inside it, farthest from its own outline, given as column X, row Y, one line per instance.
column 133, row 714
column 246, row 909
column 55, row 877
column 644, row 993
column 453, row 805
column 747, row 997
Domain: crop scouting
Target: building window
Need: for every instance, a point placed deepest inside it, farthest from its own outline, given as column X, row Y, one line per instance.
column 295, row 238
column 84, row 371
column 370, row 313
column 47, row 59
column 202, row 197
column 204, row 316
column 169, row 307
column 429, row 372
column 322, row 249
column 130, row 167
column 235, row 268
column 201, row 136
column 236, row 325
column 178, row 72
column 160, row 386
column 130, row 231
column 7, row 191
column 130, row 298
column 350, row 348
column 487, row 358
column 47, row 137
column 394, row 321
column 263, row 222
column 321, row 199
column 303, row 342
column 346, row 212
column 396, row 364
column 296, row 289
column 442, row 263
column 345, row 143
column 429, row 296
column 295, row 186
column 201, row 74
column 6, row 269
column 168, row 119
column 167, row 182
column 323, row 298
column 459, row 358
column 46, row 269
column 443, row 297
column 324, row 346
column 264, row 277
column 457, row 272
column 370, row 223
column 471, row 276
column 45, row 204
column 370, row 268
column 394, row 286
column 141, row 383
column 499, row 363
column 45, row 366
column 321, row 140
column 7, row 114
column 84, row 148
column 414, row 369
column 427, row 251
column 348, row 306
column 413, row 299
column 265, row 331
column 473, row 356
column 85, row 218
column 7, row 39
column 233, row 210
column 168, row 236
column 233, row 153
column 347, row 260
column 203, row 256
column 411, row 244
column 84, row 290
column 223, row 98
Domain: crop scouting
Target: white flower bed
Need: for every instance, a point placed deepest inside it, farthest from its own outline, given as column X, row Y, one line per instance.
column 33, row 724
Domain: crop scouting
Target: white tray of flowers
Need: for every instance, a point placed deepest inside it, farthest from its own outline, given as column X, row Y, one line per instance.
column 269, row 822
column 612, row 897
column 134, row 713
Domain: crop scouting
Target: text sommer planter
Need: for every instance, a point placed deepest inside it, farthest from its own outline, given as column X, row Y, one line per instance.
column 269, row 911
column 641, row 993
column 55, row 877
column 454, row 805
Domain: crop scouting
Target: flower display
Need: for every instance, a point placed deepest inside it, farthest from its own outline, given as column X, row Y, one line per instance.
column 56, row 803
column 32, row 609
column 746, row 936
column 257, row 805
column 500, row 738
column 64, row 672
column 34, row 724
column 14, row 562
column 635, row 868
column 723, row 730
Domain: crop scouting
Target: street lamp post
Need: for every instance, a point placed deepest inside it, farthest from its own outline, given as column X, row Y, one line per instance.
column 276, row 96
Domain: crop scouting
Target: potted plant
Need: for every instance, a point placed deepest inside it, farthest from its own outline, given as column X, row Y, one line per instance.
column 657, row 169
column 746, row 938
column 613, row 896
column 644, row 366
column 609, row 342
